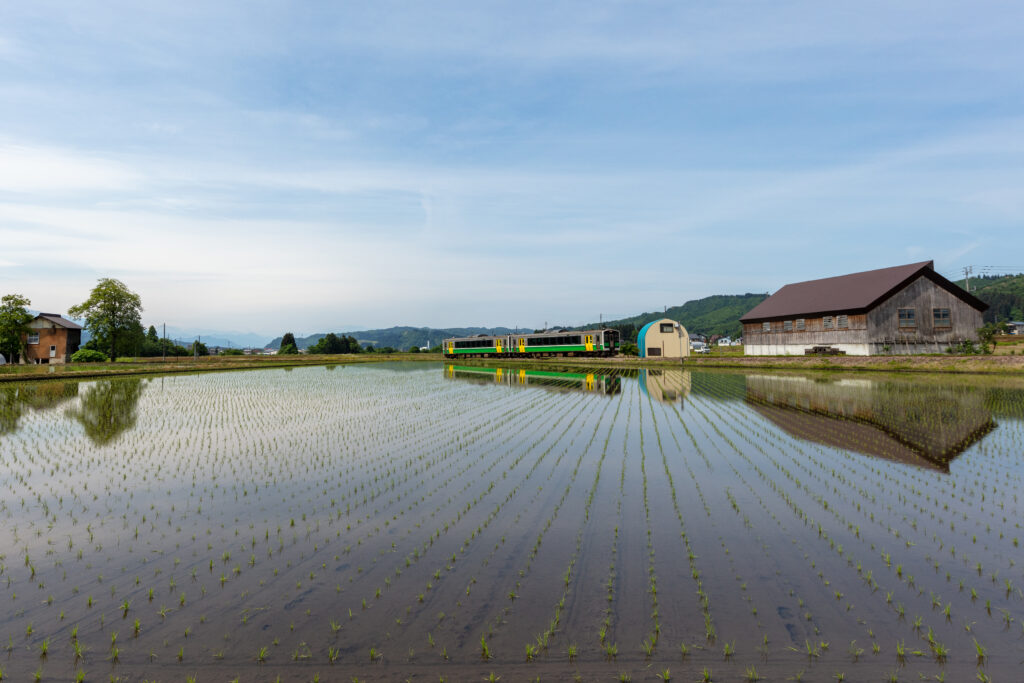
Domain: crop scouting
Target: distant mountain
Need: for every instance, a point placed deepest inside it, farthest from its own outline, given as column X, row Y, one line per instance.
column 1004, row 295
column 719, row 314
column 397, row 337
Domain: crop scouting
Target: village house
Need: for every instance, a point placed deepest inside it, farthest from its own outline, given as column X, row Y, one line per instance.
column 51, row 339
column 900, row 310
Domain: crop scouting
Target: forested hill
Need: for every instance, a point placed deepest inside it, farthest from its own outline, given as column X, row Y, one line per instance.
column 718, row 314
column 400, row 338
column 1004, row 295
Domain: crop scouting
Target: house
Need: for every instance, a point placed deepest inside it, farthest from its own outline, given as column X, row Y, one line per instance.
column 899, row 310
column 51, row 339
column 1015, row 327
column 663, row 339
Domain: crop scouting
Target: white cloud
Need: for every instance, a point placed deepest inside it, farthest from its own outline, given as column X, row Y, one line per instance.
column 26, row 168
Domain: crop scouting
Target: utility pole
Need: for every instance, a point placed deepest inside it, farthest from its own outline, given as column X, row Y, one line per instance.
column 967, row 277
column 165, row 343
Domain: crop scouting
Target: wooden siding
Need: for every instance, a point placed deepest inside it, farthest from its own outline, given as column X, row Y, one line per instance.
column 813, row 334
column 923, row 295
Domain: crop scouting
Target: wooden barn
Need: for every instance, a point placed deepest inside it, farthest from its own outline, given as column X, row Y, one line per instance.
column 52, row 339
column 901, row 310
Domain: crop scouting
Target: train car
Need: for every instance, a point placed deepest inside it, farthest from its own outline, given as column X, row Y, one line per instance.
column 602, row 342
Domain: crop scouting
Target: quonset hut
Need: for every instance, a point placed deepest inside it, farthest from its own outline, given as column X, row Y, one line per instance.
column 663, row 339
column 905, row 309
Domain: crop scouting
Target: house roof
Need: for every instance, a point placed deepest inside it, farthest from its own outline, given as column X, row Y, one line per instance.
column 56, row 319
column 857, row 292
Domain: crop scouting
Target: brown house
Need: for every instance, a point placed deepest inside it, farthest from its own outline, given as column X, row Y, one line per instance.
column 52, row 339
column 905, row 309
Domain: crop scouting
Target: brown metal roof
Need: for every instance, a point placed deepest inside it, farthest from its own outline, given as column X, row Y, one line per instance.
column 56, row 319
column 857, row 292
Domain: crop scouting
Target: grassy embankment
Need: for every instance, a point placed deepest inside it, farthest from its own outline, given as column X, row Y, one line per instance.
column 1007, row 359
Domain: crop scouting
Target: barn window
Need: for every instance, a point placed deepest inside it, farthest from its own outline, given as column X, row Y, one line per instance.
column 907, row 318
column 787, row 325
column 842, row 322
column 653, row 352
column 766, row 327
column 828, row 322
column 801, row 324
column 940, row 316
column 667, row 328
column 33, row 338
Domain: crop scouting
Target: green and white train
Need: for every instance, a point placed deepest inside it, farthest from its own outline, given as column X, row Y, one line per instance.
column 604, row 342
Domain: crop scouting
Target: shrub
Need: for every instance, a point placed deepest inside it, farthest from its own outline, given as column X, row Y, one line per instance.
column 231, row 352
column 89, row 356
column 629, row 349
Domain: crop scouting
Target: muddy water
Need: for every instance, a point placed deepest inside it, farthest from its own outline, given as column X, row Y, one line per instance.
column 425, row 521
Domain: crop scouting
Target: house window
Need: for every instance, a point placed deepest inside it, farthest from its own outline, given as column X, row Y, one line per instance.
column 801, row 324
column 667, row 328
column 766, row 327
column 843, row 322
column 653, row 352
column 940, row 316
column 907, row 319
column 33, row 338
column 787, row 325
column 828, row 322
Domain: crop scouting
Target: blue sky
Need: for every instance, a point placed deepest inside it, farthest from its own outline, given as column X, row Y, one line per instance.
column 281, row 166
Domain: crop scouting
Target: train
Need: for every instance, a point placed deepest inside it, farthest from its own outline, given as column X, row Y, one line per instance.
column 598, row 342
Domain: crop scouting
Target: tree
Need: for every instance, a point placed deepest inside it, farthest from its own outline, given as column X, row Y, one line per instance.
column 287, row 339
column 14, row 320
column 987, row 335
column 112, row 311
column 288, row 350
column 152, row 336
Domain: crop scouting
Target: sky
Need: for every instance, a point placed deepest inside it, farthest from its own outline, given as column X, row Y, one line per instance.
column 271, row 166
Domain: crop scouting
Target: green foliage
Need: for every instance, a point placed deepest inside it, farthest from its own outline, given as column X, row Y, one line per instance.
column 333, row 344
column 199, row 349
column 414, row 349
column 987, row 335
column 629, row 349
column 14, row 320
column 89, row 356
column 1004, row 295
column 288, row 350
column 287, row 340
column 718, row 314
column 111, row 311
column 231, row 352
column 398, row 337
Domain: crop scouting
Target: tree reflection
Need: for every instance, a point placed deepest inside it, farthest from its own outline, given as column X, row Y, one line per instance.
column 15, row 399
column 107, row 408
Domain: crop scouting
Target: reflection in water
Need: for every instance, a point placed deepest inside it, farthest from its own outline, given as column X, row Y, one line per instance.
column 519, row 377
column 15, row 399
column 917, row 423
column 667, row 386
column 107, row 408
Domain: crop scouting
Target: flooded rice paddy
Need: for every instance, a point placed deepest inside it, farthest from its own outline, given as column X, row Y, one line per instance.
column 452, row 523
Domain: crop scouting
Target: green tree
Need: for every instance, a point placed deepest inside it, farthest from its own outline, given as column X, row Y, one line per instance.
column 14, row 320
column 288, row 350
column 198, row 348
column 152, row 336
column 287, row 339
column 987, row 335
column 111, row 312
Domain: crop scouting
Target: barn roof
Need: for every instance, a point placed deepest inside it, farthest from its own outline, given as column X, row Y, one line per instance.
column 56, row 319
column 857, row 292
